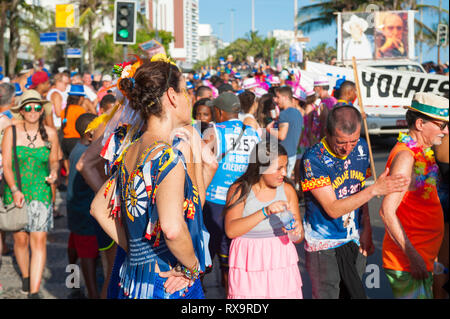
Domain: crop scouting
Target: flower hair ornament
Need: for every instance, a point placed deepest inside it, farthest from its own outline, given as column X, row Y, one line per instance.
column 122, row 70
column 122, row 113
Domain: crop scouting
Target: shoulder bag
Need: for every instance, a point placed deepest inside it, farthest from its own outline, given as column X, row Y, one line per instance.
column 13, row 218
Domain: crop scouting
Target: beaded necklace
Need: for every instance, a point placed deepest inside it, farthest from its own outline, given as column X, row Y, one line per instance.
column 425, row 166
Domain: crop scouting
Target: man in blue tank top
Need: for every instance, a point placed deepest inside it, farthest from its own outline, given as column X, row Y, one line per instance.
column 232, row 142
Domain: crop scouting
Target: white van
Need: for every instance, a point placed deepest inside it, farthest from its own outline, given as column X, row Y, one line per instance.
column 383, row 119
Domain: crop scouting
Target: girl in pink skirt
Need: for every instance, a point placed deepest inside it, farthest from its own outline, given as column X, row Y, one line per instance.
column 263, row 261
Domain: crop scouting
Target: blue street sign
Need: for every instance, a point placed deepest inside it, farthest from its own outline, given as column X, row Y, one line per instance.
column 48, row 37
column 73, row 53
column 62, row 37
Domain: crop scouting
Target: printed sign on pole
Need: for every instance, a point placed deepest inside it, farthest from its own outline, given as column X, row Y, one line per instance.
column 66, row 16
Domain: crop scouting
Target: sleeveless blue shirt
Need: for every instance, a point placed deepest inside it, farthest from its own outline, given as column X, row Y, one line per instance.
column 235, row 162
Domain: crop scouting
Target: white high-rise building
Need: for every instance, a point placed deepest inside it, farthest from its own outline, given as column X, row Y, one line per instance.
column 181, row 18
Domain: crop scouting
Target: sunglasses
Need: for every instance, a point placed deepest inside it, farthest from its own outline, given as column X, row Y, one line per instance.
column 391, row 28
column 29, row 108
column 441, row 125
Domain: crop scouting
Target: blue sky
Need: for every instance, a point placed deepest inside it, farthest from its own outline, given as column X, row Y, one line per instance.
column 279, row 14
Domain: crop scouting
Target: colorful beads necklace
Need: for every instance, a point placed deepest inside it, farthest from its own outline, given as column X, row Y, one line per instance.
column 425, row 166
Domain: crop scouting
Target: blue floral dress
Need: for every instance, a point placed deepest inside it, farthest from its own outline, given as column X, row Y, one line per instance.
column 134, row 202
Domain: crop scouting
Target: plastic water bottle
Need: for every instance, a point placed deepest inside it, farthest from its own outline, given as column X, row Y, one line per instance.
column 288, row 221
column 439, row 268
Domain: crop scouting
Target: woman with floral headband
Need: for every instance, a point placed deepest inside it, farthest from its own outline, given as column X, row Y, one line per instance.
column 414, row 218
column 150, row 206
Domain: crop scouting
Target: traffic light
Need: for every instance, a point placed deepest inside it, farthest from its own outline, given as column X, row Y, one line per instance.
column 125, row 22
column 442, row 35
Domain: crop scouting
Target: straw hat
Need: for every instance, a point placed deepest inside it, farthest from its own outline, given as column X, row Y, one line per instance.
column 430, row 104
column 29, row 96
column 355, row 20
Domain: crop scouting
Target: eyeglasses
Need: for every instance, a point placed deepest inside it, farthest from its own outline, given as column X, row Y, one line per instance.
column 28, row 108
column 441, row 125
column 391, row 28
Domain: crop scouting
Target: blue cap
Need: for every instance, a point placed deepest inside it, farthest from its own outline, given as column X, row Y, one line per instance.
column 76, row 89
column 19, row 91
column 29, row 82
column 237, row 75
column 196, row 76
column 189, row 85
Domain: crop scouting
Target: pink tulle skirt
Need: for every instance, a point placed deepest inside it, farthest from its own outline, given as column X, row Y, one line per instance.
column 264, row 268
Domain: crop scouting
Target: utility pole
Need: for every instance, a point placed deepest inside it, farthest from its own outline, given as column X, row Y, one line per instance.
column 253, row 15
column 295, row 17
column 421, row 35
column 439, row 45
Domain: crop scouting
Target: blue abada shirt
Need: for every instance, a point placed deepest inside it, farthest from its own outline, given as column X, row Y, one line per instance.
column 235, row 162
column 320, row 167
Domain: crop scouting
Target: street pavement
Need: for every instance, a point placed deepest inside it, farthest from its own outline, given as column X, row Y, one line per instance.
column 56, row 273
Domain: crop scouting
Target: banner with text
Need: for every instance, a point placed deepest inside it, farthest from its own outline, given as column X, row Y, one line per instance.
column 380, row 87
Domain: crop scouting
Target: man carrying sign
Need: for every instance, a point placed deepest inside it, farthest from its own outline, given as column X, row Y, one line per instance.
column 414, row 218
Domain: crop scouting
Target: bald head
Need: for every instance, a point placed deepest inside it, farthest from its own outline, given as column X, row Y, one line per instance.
column 345, row 118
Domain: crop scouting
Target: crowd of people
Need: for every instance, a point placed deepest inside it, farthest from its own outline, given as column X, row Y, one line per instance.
column 164, row 171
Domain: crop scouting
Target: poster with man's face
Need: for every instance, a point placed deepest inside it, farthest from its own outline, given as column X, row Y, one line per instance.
column 391, row 34
column 375, row 35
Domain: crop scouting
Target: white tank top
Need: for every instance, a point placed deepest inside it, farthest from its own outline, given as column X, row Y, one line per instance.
column 57, row 119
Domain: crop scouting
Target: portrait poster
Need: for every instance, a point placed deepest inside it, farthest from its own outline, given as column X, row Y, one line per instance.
column 375, row 35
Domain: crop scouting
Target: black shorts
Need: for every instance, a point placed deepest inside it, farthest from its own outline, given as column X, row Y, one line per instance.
column 67, row 145
column 219, row 243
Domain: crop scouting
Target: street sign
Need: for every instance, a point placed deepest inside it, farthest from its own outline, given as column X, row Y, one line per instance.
column 73, row 53
column 152, row 47
column 48, row 38
column 66, row 16
column 62, row 37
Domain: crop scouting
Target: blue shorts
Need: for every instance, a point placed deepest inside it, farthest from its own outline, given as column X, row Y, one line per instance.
column 219, row 243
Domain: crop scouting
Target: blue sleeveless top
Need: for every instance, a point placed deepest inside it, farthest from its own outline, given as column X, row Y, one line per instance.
column 134, row 201
column 235, row 162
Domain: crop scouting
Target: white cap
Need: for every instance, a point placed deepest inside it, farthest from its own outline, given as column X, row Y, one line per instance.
column 107, row 77
column 250, row 83
column 299, row 94
column 321, row 81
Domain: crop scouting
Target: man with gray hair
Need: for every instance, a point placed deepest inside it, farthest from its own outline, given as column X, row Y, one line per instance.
column 338, row 234
column 414, row 218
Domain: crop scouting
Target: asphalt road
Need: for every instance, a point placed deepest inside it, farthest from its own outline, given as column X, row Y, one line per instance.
column 56, row 274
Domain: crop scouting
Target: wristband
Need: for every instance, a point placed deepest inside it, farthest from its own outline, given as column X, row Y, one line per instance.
column 264, row 213
column 192, row 274
column 14, row 189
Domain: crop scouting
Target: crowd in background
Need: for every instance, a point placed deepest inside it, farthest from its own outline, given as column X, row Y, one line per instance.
column 50, row 114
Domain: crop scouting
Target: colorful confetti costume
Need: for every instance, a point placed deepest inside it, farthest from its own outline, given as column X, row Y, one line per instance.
column 134, row 201
column 420, row 214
